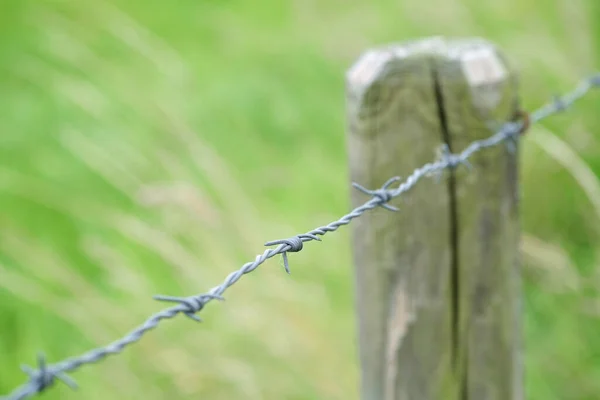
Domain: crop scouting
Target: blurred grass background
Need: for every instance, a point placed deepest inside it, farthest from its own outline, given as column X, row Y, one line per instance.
column 153, row 147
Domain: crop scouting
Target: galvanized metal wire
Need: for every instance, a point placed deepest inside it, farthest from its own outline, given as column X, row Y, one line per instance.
column 44, row 376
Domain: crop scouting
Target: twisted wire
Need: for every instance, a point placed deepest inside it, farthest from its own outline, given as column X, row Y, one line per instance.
column 45, row 376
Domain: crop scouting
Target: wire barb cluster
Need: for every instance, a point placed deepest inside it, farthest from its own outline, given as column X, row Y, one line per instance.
column 190, row 305
column 45, row 376
column 383, row 195
column 293, row 244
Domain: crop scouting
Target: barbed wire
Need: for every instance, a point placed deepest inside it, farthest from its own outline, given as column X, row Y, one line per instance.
column 45, row 375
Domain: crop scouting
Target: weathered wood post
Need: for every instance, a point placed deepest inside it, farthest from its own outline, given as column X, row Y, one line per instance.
column 437, row 283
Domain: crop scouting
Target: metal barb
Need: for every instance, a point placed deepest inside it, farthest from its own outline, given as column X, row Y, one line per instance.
column 453, row 160
column 511, row 132
column 559, row 104
column 294, row 245
column 191, row 304
column 383, row 194
column 42, row 378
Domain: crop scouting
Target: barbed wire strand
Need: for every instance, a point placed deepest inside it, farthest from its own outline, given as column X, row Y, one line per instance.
column 46, row 375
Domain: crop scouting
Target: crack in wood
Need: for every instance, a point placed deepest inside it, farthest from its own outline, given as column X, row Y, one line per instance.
column 454, row 238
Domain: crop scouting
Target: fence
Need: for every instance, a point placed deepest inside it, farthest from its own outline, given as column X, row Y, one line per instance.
column 438, row 283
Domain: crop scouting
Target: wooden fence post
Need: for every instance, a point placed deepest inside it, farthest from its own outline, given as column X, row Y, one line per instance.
column 437, row 283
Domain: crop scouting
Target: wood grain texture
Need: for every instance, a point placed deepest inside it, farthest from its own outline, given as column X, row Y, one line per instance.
column 402, row 259
column 437, row 285
column 478, row 86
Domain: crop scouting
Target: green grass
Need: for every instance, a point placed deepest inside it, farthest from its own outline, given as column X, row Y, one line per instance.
column 153, row 147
